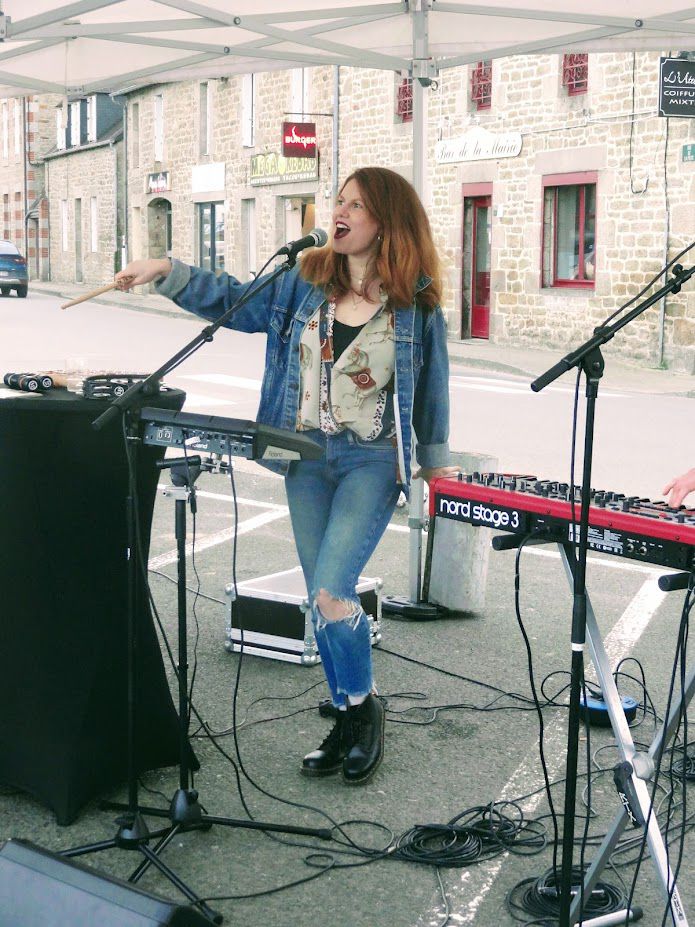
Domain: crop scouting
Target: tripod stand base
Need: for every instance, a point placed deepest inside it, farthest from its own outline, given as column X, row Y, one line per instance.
column 404, row 610
column 614, row 918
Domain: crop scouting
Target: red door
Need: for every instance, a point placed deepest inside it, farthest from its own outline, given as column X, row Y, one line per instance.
column 480, row 268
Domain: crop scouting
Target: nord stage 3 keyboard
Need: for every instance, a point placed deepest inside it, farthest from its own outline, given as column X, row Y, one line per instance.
column 626, row 526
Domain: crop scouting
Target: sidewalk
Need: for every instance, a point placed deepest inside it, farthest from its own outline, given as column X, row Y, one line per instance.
column 473, row 354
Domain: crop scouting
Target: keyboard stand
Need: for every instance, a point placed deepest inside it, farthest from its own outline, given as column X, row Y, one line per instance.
column 641, row 764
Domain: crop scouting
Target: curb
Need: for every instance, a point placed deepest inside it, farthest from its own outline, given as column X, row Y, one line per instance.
column 141, row 304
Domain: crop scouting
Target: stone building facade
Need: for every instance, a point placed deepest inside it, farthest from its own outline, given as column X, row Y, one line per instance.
column 206, row 179
column 25, row 137
column 85, row 180
column 553, row 198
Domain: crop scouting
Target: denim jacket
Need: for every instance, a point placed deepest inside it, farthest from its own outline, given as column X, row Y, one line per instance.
column 282, row 310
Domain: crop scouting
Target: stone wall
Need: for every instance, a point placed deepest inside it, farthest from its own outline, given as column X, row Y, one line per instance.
column 80, row 176
column 24, row 217
column 645, row 190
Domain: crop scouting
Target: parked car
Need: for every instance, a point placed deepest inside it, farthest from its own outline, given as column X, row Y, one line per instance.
column 13, row 270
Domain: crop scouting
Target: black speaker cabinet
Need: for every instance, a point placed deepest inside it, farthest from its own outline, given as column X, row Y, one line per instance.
column 40, row 889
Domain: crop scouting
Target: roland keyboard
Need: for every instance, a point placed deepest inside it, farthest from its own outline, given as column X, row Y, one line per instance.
column 625, row 526
column 234, row 437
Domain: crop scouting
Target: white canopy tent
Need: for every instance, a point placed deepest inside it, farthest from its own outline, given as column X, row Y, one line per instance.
column 89, row 46
column 103, row 45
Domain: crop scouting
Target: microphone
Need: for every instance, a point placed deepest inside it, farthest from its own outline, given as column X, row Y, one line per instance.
column 317, row 238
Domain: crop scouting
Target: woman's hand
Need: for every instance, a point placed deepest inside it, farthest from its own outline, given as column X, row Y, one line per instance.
column 139, row 272
column 435, row 473
column 679, row 488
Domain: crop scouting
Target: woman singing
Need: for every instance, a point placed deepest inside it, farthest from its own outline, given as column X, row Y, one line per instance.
column 356, row 359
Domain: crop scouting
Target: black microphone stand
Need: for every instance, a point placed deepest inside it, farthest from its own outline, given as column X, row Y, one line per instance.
column 588, row 357
column 184, row 812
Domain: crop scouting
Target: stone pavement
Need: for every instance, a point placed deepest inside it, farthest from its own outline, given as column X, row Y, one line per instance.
column 473, row 353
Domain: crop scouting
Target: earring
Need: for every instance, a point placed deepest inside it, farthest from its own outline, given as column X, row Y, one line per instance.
column 379, row 237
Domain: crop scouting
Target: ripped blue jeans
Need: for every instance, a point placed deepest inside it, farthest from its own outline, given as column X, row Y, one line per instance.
column 340, row 507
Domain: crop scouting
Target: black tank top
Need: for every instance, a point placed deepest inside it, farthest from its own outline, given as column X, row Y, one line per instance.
column 344, row 335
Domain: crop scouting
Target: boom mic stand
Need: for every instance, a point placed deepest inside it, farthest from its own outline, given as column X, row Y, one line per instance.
column 589, row 359
column 184, row 812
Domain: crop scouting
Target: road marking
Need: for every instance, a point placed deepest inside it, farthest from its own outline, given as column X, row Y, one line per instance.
column 512, row 387
column 220, row 537
column 632, row 623
column 618, row 564
column 225, row 379
column 201, row 401
column 527, row 776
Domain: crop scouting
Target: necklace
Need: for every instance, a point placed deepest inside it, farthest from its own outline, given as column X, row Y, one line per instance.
column 356, row 298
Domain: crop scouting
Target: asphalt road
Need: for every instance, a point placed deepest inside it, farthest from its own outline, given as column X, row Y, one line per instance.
column 453, row 741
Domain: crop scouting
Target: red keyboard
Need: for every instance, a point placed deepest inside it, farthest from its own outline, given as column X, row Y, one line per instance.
column 625, row 526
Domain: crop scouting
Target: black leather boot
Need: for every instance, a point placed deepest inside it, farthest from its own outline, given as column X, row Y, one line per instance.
column 328, row 758
column 364, row 739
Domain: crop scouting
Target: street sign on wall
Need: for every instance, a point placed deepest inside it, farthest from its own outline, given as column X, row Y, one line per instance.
column 299, row 139
column 272, row 168
column 676, row 87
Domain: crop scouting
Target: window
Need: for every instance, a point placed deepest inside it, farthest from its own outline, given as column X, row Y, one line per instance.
column 158, row 127
column 75, row 123
column 569, row 230
column 91, row 118
column 64, row 224
column 61, row 128
column 93, row 225
column 248, row 231
column 18, row 106
column 299, row 92
column 404, row 99
column 135, row 134
column 575, row 74
column 205, row 120
column 211, row 236
column 248, row 110
column 5, row 129
column 481, row 85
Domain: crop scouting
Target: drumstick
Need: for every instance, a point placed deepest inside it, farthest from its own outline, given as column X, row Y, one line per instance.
column 90, row 295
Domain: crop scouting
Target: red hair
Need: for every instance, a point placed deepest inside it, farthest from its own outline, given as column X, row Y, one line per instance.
column 405, row 253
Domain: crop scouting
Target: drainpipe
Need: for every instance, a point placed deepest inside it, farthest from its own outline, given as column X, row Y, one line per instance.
column 124, row 236
column 46, row 181
column 336, row 131
column 25, row 179
column 662, row 303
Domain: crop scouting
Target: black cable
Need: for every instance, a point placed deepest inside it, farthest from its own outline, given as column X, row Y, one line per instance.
column 477, row 834
column 658, row 758
column 532, row 682
column 683, row 721
column 540, row 898
column 632, row 135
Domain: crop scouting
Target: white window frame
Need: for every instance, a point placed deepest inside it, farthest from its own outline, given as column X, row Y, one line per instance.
column 5, row 130
column 135, row 134
column 248, row 110
column 92, row 118
column 300, row 81
column 18, row 105
column 205, row 118
column 61, row 128
column 64, row 227
column 158, row 118
column 75, row 123
column 93, row 224
column 248, row 223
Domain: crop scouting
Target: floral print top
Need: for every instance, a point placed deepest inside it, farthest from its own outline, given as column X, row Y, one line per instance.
column 355, row 390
